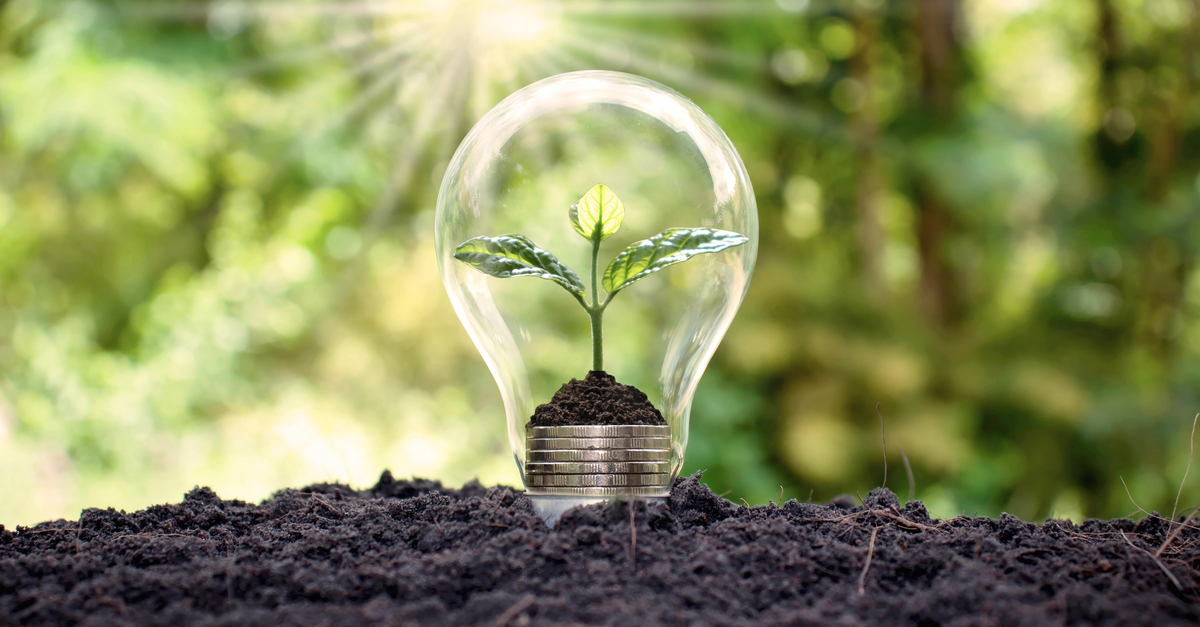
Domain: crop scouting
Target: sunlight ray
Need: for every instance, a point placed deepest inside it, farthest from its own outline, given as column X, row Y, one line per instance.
column 263, row 10
column 803, row 119
column 566, row 59
column 528, row 71
column 423, row 126
column 547, row 64
column 481, row 95
column 723, row 56
column 347, row 43
column 673, row 8
column 311, row 93
column 361, row 102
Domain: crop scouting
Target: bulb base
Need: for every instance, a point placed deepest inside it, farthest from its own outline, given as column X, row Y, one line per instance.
column 551, row 508
column 598, row 462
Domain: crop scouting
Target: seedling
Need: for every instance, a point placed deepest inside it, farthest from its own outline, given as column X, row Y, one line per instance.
column 596, row 217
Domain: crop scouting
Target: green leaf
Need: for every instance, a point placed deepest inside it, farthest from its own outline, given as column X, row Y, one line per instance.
column 514, row 255
column 598, row 214
column 672, row 246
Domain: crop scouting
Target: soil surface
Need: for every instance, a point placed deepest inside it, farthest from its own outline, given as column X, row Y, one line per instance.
column 597, row 400
column 414, row 553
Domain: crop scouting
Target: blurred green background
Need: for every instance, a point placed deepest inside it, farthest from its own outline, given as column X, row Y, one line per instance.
column 983, row 216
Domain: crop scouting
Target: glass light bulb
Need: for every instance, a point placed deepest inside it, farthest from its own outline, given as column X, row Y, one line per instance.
column 522, row 168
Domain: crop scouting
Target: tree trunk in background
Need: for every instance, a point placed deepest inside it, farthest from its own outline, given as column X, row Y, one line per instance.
column 936, row 23
column 1164, row 262
column 865, row 124
column 1172, row 112
column 1109, row 50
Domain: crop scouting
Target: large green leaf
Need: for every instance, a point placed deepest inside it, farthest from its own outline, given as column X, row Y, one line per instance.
column 514, row 255
column 672, row 246
column 598, row 214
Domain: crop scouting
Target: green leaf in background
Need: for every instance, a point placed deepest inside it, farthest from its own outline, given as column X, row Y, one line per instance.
column 598, row 214
column 672, row 246
column 514, row 255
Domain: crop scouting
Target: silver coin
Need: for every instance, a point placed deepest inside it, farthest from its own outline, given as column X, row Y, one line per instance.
column 600, row 455
column 600, row 431
column 536, row 444
column 649, row 491
column 602, row 481
column 591, row 468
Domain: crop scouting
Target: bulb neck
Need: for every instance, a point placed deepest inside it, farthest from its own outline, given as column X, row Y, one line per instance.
column 551, row 508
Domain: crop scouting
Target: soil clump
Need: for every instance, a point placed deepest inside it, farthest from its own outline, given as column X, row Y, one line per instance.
column 415, row 553
column 597, row 400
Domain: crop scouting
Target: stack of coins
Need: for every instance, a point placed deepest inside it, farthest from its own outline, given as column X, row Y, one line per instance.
column 598, row 460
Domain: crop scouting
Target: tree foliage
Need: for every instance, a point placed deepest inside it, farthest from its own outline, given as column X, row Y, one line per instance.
column 215, row 264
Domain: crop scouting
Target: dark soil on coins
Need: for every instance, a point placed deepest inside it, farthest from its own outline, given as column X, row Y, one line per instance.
column 597, row 400
column 415, row 553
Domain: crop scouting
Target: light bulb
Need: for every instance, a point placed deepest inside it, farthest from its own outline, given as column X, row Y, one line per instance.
column 544, row 167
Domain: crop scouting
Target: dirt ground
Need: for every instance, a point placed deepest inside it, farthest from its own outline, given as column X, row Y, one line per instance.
column 414, row 553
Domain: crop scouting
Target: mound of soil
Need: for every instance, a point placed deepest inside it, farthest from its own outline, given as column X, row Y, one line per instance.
column 414, row 553
column 597, row 400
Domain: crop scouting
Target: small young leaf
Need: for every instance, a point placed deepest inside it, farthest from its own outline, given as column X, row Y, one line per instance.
column 672, row 246
column 598, row 214
column 514, row 255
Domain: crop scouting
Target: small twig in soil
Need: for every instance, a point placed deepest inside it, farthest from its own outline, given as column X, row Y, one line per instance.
column 901, row 521
column 912, row 484
column 862, row 579
column 1158, row 563
column 781, row 496
column 810, row 493
column 517, row 608
column 154, row 535
column 1191, row 450
column 1174, row 534
column 744, row 502
column 331, row 508
column 904, row 522
column 882, row 436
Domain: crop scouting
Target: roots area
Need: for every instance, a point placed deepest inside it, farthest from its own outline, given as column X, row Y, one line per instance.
column 596, row 400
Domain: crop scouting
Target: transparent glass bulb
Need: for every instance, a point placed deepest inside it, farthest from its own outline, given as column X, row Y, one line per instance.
column 519, row 171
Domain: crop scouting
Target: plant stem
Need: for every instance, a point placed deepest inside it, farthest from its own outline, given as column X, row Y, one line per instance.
column 596, row 313
column 597, row 338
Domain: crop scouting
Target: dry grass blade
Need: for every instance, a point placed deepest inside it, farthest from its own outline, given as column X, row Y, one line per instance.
column 912, row 484
column 1191, row 450
column 1127, row 493
column 882, row 436
column 1157, row 562
column 862, row 579
column 900, row 521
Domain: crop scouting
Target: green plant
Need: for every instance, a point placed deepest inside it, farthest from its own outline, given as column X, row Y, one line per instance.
column 596, row 217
